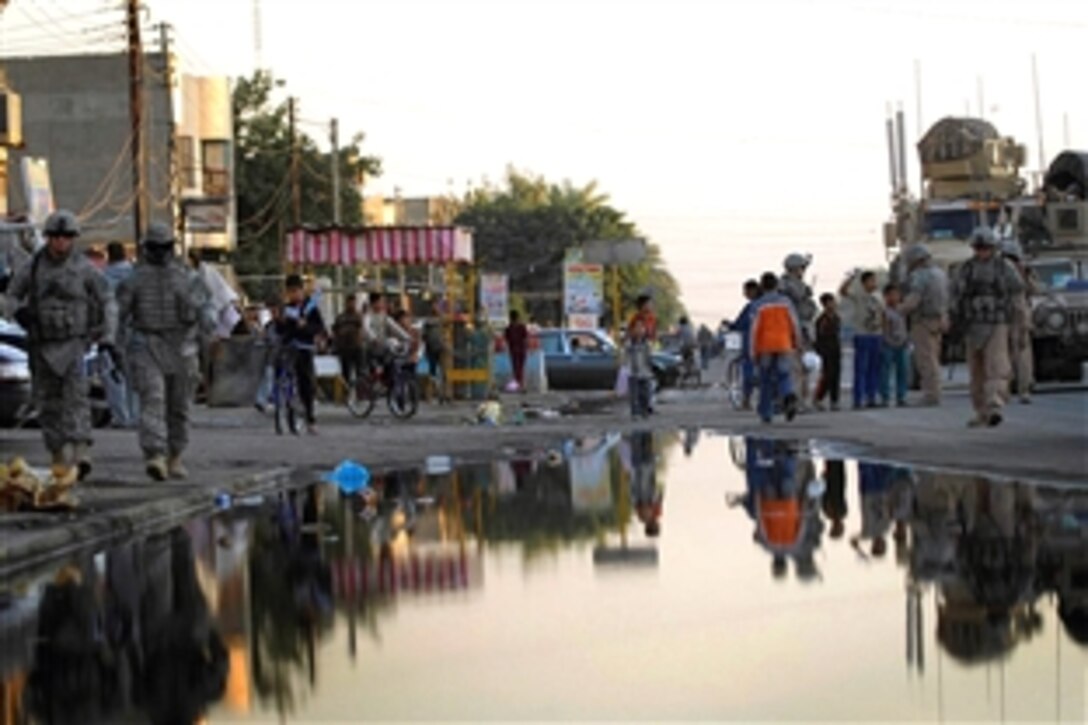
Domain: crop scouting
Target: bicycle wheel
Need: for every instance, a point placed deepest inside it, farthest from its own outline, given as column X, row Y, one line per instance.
column 734, row 383
column 361, row 396
column 403, row 398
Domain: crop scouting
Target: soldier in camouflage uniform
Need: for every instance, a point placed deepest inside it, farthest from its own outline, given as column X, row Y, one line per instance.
column 160, row 305
column 793, row 286
column 67, row 306
column 985, row 291
column 926, row 306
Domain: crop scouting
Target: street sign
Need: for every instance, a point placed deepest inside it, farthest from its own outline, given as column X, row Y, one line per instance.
column 614, row 251
column 206, row 216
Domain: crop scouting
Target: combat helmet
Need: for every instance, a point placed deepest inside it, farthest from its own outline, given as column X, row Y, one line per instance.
column 917, row 253
column 796, row 261
column 158, row 235
column 1011, row 248
column 61, row 223
column 983, row 237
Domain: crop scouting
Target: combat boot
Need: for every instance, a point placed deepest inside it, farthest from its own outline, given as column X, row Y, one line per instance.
column 156, row 468
column 83, row 460
column 176, row 468
column 60, row 468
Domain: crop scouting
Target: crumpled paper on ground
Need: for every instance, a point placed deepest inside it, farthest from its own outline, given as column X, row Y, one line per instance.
column 23, row 488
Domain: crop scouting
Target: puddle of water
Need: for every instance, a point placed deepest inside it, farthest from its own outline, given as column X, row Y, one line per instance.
column 688, row 576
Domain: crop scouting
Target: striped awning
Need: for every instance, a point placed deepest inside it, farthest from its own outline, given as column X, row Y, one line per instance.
column 379, row 245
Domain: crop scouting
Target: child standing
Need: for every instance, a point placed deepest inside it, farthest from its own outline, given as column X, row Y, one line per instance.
column 641, row 379
column 868, row 335
column 895, row 353
column 829, row 348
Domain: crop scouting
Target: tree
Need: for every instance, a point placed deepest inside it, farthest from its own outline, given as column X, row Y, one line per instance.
column 524, row 228
column 262, row 163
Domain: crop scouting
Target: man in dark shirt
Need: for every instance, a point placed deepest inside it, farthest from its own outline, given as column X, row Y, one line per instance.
column 298, row 329
column 347, row 331
column 829, row 348
column 517, row 342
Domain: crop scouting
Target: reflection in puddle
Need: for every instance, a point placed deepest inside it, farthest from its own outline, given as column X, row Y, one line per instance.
column 553, row 583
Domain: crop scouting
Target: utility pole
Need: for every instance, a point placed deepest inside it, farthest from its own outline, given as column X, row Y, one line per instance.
column 296, row 191
column 1038, row 114
column 334, row 156
column 135, row 109
column 176, row 209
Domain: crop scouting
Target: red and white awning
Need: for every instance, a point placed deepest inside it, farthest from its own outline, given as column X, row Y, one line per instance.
column 379, row 245
column 360, row 577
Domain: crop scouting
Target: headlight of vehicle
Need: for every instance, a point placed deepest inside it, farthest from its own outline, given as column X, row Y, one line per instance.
column 1055, row 319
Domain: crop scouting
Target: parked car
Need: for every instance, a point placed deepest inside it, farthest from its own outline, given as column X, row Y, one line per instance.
column 14, row 384
column 590, row 360
column 15, row 346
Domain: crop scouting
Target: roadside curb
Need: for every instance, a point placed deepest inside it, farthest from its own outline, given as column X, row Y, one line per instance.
column 100, row 529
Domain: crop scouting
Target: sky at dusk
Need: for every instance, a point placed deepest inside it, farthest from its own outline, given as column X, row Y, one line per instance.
column 731, row 132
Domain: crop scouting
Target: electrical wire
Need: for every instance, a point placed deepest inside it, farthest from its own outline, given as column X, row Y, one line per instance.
column 110, row 179
column 275, row 196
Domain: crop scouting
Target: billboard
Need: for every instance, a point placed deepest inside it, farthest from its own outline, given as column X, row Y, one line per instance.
column 37, row 189
column 495, row 298
column 583, row 291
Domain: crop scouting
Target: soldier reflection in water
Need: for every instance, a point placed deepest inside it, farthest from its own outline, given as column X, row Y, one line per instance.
column 149, row 646
column 787, row 519
column 647, row 493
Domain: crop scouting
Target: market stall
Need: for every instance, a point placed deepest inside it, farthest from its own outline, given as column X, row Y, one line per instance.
column 448, row 248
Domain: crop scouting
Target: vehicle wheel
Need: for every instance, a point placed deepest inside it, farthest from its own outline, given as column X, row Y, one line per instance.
column 361, row 397
column 403, row 398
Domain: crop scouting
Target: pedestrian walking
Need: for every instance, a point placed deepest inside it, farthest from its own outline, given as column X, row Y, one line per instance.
column 66, row 305
column 743, row 325
column 706, row 346
column 517, row 344
column 1020, row 325
column 300, row 327
column 644, row 313
column 641, row 378
column 829, row 348
column 895, row 350
column 434, row 347
column 347, row 335
column 775, row 344
column 116, row 376
column 860, row 289
column 925, row 305
column 270, row 342
column 984, row 292
column 159, row 306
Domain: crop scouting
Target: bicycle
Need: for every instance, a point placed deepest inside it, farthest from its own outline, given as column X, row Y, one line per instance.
column 396, row 381
column 734, row 383
column 285, row 400
column 690, row 374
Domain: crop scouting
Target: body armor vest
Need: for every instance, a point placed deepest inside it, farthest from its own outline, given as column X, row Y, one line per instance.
column 161, row 300
column 62, row 302
column 986, row 297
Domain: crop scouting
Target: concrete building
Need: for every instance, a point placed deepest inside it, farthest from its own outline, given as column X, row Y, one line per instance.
column 398, row 211
column 75, row 114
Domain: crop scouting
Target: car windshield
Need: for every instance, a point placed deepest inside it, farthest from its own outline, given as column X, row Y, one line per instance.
column 1054, row 275
column 954, row 223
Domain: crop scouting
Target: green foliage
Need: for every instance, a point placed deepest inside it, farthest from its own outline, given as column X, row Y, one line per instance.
column 262, row 164
column 524, row 227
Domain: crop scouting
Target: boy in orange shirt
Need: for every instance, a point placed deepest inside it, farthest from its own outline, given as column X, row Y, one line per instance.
column 775, row 340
